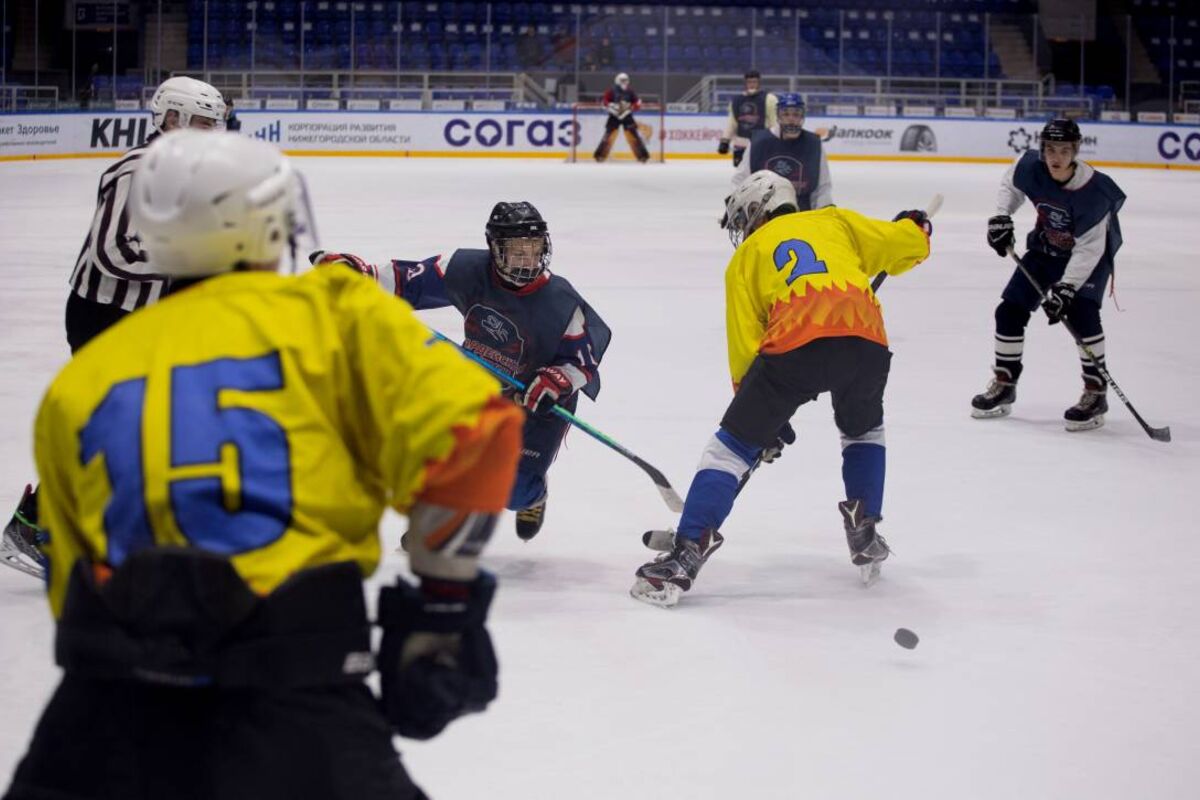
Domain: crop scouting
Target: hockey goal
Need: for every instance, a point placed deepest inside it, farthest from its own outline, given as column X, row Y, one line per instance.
column 587, row 124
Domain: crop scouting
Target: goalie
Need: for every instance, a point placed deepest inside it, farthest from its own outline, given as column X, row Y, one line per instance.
column 621, row 102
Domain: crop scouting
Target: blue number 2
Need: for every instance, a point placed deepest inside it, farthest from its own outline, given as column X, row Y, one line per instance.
column 799, row 255
column 201, row 426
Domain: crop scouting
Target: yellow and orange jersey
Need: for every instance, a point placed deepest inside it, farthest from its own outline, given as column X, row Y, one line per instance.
column 807, row 276
column 266, row 418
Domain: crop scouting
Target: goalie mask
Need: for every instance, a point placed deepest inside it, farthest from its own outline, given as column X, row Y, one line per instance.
column 764, row 195
column 519, row 241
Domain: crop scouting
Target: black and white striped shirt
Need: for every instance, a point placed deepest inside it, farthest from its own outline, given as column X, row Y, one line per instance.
column 112, row 268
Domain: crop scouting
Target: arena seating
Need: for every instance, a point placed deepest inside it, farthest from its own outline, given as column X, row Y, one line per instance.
column 453, row 36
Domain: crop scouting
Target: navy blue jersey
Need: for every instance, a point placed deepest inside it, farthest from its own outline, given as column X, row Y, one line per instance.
column 750, row 113
column 518, row 330
column 798, row 160
column 1076, row 220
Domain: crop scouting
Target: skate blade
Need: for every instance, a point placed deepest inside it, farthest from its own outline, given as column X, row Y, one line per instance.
column 995, row 413
column 12, row 557
column 662, row 541
column 665, row 597
column 869, row 573
column 1088, row 425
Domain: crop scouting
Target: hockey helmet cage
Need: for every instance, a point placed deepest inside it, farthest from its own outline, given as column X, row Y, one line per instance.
column 762, row 196
column 509, row 228
column 206, row 203
column 189, row 98
column 622, row 80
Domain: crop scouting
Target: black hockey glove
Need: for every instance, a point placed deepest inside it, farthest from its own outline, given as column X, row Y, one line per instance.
column 1058, row 301
column 436, row 662
column 786, row 436
column 919, row 217
column 1000, row 234
column 723, row 147
column 738, row 154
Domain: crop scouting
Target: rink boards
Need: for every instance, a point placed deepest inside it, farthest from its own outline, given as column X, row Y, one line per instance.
column 551, row 135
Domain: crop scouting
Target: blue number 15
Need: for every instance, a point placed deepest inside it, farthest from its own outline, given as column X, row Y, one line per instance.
column 200, row 427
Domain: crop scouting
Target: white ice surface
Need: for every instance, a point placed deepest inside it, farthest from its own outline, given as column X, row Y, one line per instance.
column 1054, row 578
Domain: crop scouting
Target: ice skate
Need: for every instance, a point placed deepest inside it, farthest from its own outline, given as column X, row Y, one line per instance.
column 663, row 581
column 529, row 520
column 1089, row 412
column 21, row 538
column 996, row 400
column 868, row 550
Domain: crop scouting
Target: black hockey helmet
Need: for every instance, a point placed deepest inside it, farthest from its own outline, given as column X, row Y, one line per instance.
column 509, row 227
column 752, row 74
column 1061, row 130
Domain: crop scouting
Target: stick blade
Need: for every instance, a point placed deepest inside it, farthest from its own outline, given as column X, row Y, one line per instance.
column 671, row 498
column 1160, row 434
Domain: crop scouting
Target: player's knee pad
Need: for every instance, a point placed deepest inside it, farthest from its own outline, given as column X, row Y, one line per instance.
column 529, row 488
column 729, row 454
column 1084, row 316
column 1011, row 319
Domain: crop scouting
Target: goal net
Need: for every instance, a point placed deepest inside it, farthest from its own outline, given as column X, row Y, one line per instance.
column 588, row 122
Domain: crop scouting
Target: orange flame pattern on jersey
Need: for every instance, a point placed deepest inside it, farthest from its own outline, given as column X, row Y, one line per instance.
column 822, row 312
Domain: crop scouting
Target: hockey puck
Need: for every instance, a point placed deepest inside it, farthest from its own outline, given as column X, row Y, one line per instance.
column 905, row 638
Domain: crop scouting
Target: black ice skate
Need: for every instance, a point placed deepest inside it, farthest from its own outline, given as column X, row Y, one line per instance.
column 529, row 520
column 867, row 548
column 997, row 399
column 1089, row 412
column 662, row 581
column 21, row 538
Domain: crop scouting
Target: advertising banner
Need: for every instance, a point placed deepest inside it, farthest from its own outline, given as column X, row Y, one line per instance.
column 551, row 135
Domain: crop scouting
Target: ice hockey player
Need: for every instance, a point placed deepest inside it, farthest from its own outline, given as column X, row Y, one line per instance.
column 213, row 474
column 795, row 153
column 523, row 320
column 1069, row 251
column 801, row 320
column 621, row 101
column 748, row 113
column 112, row 276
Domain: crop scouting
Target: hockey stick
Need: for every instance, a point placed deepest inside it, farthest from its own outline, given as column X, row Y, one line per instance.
column 934, row 205
column 1157, row 434
column 669, row 495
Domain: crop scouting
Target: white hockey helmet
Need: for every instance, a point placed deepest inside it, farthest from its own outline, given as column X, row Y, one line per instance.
column 755, row 201
column 188, row 97
column 203, row 203
column 622, row 80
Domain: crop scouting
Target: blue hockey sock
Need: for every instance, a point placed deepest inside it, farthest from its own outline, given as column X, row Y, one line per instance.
column 863, row 467
column 710, row 497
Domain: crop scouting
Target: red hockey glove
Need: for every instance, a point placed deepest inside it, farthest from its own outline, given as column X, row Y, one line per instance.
column 321, row 258
column 547, row 387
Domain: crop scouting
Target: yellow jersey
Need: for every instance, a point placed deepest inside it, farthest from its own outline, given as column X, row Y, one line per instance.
column 266, row 418
column 807, row 276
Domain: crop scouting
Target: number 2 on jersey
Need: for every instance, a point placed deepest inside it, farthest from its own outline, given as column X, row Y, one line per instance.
column 202, row 430
column 799, row 255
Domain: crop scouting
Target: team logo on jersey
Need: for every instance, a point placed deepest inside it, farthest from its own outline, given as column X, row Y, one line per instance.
column 494, row 337
column 790, row 168
column 748, row 113
column 1056, row 226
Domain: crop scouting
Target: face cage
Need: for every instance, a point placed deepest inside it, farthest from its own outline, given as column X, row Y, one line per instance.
column 793, row 130
column 746, row 220
column 519, row 276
